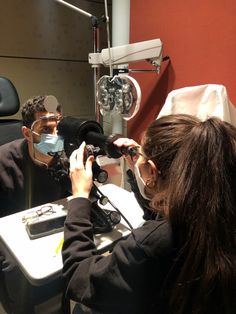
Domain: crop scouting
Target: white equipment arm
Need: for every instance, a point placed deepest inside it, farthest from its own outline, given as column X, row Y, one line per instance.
column 150, row 50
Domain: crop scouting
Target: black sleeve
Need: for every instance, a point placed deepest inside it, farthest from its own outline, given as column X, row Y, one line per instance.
column 148, row 214
column 105, row 283
column 8, row 203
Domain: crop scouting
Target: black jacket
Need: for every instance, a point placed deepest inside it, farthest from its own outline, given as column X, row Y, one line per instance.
column 130, row 280
column 21, row 178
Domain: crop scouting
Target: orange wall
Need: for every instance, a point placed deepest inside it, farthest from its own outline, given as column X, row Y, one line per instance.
column 200, row 38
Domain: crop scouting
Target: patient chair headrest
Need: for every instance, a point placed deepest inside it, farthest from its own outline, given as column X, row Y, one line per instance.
column 9, row 100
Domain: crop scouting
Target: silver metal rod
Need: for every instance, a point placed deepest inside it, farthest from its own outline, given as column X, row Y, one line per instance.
column 108, row 37
column 96, row 48
column 74, row 8
column 96, row 71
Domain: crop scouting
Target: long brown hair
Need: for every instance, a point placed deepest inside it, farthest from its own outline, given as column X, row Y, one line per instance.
column 197, row 161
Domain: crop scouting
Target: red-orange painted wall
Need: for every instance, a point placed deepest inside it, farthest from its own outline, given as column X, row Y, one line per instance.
column 200, row 38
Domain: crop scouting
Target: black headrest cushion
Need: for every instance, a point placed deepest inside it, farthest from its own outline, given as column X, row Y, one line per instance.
column 9, row 100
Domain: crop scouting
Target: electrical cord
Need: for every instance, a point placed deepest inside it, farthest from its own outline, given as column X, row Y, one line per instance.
column 104, row 199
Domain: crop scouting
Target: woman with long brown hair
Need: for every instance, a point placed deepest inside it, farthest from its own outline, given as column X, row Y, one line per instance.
column 183, row 261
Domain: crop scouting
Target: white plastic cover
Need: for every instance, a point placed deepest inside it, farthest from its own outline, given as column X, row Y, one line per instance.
column 203, row 101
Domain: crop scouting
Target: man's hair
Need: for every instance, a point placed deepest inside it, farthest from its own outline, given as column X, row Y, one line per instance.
column 197, row 164
column 31, row 107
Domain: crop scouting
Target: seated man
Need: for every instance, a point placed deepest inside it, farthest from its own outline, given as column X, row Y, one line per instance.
column 25, row 181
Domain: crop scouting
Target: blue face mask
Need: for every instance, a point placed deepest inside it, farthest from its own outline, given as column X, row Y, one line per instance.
column 50, row 143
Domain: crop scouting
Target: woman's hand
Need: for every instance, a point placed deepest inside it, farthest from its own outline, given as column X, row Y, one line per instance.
column 127, row 142
column 81, row 174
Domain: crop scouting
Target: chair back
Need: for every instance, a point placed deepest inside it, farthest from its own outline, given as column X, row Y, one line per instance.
column 10, row 129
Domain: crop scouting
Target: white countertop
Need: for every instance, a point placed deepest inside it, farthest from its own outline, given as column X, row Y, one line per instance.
column 40, row 259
